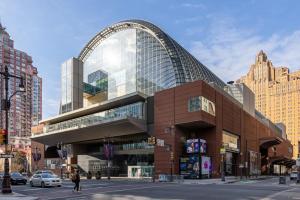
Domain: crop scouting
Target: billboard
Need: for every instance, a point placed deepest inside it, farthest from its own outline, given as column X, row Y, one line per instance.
column 189, row 166
column 202, row 146
column 205, row 165
column 196, row 146
column 192, row 146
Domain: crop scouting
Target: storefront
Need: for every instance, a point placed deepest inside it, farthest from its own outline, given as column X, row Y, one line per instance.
column 231, row 144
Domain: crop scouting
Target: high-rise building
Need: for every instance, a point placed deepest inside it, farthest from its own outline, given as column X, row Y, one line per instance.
column 277, row 95
column 26, row 108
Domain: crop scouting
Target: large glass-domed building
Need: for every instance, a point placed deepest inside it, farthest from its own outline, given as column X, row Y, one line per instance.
column 136, row 55
column 107, row 95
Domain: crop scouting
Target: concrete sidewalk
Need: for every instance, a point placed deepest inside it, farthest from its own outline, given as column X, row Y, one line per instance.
column 218, row 181
column 228, row 180
column 16, row 196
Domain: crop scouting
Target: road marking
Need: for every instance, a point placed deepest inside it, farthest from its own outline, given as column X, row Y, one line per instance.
column 130, row 189
column 34, row 189
column 270, row 197
column 99, row 193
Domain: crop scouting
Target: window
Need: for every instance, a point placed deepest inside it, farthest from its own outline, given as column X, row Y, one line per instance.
column 194, row 104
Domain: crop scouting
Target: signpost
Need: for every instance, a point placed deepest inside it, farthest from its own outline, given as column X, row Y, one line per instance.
column 7, row 155
column 222, row 152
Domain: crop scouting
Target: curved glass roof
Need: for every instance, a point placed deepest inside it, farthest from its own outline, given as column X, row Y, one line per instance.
column 186, row 68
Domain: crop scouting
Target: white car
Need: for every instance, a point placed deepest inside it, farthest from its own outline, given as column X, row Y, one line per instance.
column 44, row 180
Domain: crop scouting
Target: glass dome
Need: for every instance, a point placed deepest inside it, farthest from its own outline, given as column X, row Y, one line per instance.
column 137, row 56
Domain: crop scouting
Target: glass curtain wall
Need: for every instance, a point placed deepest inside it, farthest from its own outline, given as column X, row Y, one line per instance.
column 66, row 88
column 127, row 61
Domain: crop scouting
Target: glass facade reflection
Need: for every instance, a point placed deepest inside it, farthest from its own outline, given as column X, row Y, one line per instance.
column 135, row 110
column 66, row 88
column 135, row 56
column 111, row 67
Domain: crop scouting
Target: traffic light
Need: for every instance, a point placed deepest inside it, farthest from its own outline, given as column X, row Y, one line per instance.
column 2, row 136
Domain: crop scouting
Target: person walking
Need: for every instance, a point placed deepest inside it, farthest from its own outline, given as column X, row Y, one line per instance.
column 76, row 180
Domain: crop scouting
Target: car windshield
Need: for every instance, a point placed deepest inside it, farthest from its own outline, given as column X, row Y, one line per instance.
column 47, row 176
column 16, row 175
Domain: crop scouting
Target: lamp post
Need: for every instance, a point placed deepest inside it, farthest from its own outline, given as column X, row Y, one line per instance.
column 6, row 187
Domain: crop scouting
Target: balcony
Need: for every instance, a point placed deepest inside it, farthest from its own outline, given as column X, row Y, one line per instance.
column 124, row 120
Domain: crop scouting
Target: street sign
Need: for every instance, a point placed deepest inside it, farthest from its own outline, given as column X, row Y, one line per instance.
column 222, row 150
column 160, row 142
column 7, row 156
column 298, row 162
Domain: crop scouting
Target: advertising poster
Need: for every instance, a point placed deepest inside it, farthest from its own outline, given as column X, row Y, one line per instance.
column 193, row 167
column 192, row 146
column 189, row 167
column 205, row 165
column 183, row 166
column 203, row 145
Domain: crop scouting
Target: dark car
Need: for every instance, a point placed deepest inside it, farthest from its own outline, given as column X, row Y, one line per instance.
column 17, row 178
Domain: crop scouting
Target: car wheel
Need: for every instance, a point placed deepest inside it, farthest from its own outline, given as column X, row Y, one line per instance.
column 31, row 183
column 59, row 186
column 42, row 184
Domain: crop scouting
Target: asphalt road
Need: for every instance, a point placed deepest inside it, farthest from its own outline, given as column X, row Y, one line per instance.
column 259, row 190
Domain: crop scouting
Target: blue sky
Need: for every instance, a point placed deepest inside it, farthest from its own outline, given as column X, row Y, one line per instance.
column 223, row 35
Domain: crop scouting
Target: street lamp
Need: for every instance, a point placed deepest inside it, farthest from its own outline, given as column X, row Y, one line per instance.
column 6, row 187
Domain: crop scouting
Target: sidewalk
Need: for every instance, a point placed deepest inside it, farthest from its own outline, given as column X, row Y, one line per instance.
column 16, row 196
column 228, row 180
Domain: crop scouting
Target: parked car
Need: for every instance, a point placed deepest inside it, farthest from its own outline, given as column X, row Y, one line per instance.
column 293, row 175
column 16, row 178
column 44, row 180
column 44, row 171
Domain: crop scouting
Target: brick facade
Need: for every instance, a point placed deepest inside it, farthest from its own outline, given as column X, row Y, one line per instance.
column 174, row 124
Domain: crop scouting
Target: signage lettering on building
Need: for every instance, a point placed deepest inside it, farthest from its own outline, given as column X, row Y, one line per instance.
column 208, row 106
column 199, row 103
column 160, row 142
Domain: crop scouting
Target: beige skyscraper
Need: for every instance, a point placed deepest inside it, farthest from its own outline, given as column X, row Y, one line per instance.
column 277, row 95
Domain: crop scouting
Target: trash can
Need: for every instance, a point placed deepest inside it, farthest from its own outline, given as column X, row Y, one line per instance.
column 282, row 180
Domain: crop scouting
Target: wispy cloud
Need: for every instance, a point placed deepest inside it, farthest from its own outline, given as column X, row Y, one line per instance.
column 230, row 51
column 193, row 5
column 50, row 107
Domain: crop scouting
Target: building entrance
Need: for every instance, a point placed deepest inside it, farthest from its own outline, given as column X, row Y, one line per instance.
column 231, row 164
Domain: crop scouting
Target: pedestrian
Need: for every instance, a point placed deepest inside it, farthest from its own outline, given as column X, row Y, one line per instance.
column 76, row 180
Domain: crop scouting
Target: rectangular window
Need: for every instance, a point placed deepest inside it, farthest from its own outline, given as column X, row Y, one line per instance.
column 194, row 104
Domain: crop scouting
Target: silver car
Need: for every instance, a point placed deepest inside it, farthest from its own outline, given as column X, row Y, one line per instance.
column 45, row 180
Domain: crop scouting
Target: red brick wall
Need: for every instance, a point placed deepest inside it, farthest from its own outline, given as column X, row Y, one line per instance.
column 171, row 114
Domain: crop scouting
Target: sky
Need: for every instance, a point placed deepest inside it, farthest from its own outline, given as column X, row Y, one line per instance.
column 223, row 35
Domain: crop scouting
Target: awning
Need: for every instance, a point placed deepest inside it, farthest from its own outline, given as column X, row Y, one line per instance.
column 282, row 160
column 125, row 126
column 270, row 141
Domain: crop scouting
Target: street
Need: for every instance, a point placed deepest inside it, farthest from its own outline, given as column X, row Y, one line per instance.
column 268, row 189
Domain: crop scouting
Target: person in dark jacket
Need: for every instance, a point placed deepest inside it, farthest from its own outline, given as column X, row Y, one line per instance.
column 76, row 181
